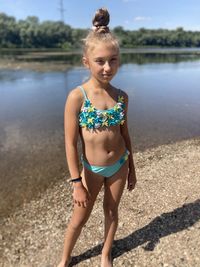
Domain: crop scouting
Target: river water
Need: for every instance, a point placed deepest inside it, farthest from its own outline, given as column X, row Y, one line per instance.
column 164, row 107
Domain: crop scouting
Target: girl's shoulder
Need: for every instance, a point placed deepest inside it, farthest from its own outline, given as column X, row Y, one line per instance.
column 75, row 96
column 74, row 100
column 121, row 92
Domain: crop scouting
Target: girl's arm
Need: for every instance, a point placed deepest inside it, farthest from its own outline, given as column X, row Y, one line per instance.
column 71, row 127
column 127, row 140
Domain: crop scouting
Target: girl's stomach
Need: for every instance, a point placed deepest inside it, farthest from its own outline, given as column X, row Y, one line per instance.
column 102, row 147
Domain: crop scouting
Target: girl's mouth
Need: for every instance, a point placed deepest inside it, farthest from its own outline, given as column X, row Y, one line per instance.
column 107, row 75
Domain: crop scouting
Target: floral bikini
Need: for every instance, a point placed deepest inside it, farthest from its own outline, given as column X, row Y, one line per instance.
column 93, row 118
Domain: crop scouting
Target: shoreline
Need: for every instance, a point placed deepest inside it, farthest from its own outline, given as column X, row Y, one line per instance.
column 34, row 65
column 58, row 51
column 159, row 221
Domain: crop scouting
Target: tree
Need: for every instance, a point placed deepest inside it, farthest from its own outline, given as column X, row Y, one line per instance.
column 31, row 33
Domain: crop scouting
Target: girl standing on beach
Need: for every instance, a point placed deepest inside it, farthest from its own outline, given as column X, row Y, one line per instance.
column 98, row 112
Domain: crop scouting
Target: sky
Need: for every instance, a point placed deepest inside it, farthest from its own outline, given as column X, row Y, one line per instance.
column 130, row 14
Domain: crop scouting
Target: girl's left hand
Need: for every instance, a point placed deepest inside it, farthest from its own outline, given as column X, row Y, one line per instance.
column 131, row 180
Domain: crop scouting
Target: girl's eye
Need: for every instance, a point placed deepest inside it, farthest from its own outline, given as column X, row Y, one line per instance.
column 100, row 61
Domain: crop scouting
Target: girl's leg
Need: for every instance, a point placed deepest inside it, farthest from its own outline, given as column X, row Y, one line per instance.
column 114, row 187
column 93, row 182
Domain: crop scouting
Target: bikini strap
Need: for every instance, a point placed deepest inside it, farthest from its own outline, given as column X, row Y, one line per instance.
column 83, row 91
column 119, row 93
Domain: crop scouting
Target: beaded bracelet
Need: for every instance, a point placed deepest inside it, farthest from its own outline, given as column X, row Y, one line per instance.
column 75, row 180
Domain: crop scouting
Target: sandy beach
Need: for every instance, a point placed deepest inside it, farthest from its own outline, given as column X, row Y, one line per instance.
column 159, row 222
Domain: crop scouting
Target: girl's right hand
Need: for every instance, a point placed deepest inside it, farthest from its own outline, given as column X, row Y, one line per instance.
column 80, row 195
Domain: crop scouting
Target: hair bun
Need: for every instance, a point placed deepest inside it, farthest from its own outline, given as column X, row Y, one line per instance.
column 101, row 20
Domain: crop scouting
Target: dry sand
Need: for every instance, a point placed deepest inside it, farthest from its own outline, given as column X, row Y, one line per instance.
column 159, row 221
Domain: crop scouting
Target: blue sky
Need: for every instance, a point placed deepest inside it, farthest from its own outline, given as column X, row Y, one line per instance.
column 131, row 14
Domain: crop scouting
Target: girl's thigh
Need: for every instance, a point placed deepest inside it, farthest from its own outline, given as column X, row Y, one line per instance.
column 93, row 183
column 114, row 186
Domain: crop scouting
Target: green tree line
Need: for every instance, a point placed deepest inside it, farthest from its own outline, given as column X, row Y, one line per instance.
column 31, row 33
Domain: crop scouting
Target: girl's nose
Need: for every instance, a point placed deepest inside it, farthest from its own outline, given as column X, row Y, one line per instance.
column 107, row 66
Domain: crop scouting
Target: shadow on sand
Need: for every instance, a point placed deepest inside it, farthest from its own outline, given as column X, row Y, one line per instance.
column 166, row 224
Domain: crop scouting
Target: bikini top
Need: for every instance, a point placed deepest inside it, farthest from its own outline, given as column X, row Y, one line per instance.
column 93, row 118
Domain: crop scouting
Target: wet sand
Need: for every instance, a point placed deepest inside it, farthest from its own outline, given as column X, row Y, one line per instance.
column 159, row 222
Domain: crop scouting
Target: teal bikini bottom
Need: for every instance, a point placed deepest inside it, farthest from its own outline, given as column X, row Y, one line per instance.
column 107, row 171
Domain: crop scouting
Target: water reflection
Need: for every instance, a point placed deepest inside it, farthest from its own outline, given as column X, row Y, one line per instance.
column 146, row 58
column 137, row 56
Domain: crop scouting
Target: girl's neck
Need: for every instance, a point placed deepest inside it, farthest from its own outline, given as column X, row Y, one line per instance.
column 93, row 83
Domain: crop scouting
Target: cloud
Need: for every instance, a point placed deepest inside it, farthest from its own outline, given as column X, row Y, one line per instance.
column 140, row 18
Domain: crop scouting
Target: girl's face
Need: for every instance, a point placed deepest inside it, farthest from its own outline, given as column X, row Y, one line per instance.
column 102, row 61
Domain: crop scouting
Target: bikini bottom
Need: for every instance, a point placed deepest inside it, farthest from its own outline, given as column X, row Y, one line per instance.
column 107, row 171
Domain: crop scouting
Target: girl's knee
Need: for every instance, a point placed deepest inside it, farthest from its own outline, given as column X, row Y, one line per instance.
column 78, row 220
column 76, row 225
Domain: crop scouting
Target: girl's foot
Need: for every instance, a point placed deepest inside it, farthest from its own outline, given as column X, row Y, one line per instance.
column 106, row 261
column 64, row 264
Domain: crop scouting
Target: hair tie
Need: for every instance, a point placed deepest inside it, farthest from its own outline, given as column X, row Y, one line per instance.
column 96, row 28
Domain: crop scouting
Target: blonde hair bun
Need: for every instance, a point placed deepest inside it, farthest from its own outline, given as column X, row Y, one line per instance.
column 101, row 20
column 100, row 32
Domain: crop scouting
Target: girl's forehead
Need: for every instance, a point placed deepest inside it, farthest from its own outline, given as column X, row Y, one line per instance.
column 103, row 50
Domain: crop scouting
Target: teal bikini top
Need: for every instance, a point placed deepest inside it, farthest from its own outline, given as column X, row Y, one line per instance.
column 93, row 118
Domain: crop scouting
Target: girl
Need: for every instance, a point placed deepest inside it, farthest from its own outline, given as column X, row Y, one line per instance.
column 98, row 112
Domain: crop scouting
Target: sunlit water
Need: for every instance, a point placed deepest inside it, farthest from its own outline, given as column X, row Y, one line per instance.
column 164, row 107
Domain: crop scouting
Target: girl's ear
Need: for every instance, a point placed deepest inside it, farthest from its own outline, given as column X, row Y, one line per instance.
column 85, row 61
